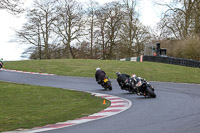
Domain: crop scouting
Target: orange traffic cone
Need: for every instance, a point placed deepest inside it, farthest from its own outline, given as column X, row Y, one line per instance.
column 104, row 101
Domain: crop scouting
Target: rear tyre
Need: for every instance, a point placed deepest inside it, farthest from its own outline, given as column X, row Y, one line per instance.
column 109, row 85
column 151, row 92
column 110, row 88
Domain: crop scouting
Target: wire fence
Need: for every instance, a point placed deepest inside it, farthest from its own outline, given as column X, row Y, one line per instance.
column 173, row 60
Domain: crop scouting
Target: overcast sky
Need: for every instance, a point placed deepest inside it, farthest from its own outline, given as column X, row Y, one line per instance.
column 150, row 16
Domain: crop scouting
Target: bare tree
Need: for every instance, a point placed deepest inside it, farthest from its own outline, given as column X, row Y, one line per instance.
column 130, row 27
column 31, row 32
column 38, row 28
column 113, row 25
column 92, row 8
column 46, row 15
column 120, row 32
column 69, row 24
column 101, row 27
column 12, row 6
column 178, row 20
column 142, row 37
column 196, row 16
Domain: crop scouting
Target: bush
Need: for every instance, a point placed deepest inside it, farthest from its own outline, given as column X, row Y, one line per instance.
column 188, row 48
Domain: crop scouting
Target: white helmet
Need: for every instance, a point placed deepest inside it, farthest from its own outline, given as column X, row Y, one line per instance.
column 133, row 76
column 98, row 68
column 118, row 73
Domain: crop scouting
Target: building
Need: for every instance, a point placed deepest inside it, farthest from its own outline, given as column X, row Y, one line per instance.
column 154, row 50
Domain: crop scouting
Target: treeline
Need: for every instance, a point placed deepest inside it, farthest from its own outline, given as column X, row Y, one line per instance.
column 12, row 6
column 69, row 29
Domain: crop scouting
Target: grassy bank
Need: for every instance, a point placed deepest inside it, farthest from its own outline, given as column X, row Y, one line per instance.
column 25, row 106
column 86, row 68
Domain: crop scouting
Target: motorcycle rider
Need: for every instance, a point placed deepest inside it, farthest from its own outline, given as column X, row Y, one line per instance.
column 123, row 80
column 99, row 75
column 1, row 62
column 135, row 80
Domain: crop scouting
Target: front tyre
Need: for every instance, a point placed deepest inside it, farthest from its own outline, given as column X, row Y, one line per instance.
column 151, row 92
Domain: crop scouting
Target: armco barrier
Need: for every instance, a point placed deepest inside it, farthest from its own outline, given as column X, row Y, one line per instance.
column 173, row 60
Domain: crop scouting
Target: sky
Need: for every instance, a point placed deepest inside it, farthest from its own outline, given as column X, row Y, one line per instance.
column 150, row 15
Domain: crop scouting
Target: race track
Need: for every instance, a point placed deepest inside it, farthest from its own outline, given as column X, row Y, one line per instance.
column 175, row 110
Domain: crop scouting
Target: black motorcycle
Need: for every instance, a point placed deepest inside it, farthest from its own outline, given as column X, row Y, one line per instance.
column 143, row 87
column 139, row 86
column 128, row 85
column 1, row 64
column 106, row 83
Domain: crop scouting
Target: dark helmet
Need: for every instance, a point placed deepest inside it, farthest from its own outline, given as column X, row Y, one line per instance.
column 118, row 73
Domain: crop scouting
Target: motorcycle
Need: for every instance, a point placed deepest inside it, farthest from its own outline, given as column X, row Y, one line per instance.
column 128, row 85
column 139, row 86
column 143, row 87
column 106, row 83
column 1, row 65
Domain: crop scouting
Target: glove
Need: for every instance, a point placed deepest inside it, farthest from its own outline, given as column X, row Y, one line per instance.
column 126, row 82
column 99, row 81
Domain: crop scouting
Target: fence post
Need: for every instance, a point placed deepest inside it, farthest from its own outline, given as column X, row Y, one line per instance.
column 141, row 58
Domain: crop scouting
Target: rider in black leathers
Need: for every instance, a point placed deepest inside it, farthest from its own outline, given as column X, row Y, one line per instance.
column 1, row 62
column 123, row 80
column 99, row 75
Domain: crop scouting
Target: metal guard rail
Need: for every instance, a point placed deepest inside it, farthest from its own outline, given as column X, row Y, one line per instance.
column 173, row 60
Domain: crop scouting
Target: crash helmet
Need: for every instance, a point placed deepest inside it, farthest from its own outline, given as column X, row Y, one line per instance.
column 133, row 75
column 118, row 73
column 98, row 68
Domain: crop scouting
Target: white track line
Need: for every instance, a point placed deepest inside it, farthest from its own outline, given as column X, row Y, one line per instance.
column 8, row 70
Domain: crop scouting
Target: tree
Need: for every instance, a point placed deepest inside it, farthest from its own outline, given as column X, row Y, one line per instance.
column 142, row 37
column 178, row 20
column 69, row 24
column 109, row 18
column 38, row 29
column 46, row 15
column 12, row 6
column 114, row 21
column 91, row 10
column 181, row 23
column 101, row 33
column 129, row 24
column 196, row 16
column 31, row 32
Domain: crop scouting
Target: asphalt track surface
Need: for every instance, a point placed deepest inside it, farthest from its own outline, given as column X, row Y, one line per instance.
column 175, row 110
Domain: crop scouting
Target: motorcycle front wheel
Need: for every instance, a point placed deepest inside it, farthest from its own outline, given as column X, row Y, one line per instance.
column 151, row 92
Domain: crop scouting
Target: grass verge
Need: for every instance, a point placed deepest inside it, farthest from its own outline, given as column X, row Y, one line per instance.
column 86, row 68
column 26, row 106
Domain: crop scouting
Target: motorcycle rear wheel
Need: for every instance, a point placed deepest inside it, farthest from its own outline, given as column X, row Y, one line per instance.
column 109, row 85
